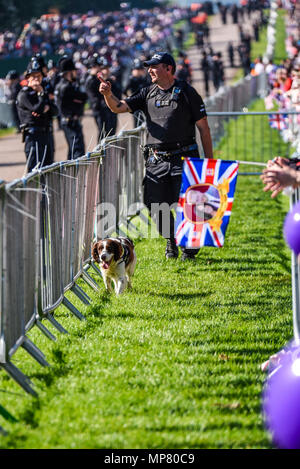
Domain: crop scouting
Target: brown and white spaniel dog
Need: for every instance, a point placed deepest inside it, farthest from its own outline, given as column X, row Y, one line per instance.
column 117, row 260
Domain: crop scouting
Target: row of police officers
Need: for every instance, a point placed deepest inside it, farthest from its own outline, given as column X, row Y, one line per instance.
column 61, row 95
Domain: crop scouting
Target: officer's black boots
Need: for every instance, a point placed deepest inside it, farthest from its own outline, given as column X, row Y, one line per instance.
column 187, row 256
column 171, row 249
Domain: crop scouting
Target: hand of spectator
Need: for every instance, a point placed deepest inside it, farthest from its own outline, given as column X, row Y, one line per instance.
column 278, row 161
column 276, row 178
column 105, row 86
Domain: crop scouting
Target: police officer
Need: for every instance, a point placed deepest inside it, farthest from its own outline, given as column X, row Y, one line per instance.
column 172, row 109
column 35, row 111
column 137, row 80
column 105, row 119
column 48, row 88
column 92, row 86
column 70, row 101
column 12, row 81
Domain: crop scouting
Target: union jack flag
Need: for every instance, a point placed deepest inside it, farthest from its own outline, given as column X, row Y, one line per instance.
column 205, row 202
column 278, row 121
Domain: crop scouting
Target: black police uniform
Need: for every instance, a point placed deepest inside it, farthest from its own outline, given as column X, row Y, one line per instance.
column 70, row 101
column 11, row 95
column 170, row 117
column 106, row 120
column 36, row 128
column 134, row 85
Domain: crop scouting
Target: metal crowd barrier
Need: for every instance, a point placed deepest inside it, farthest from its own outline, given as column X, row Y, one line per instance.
column 49, row 220
column 249, row 141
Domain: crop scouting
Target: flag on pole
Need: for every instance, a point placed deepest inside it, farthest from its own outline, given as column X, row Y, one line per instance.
column 205, row 202
column 278, row 121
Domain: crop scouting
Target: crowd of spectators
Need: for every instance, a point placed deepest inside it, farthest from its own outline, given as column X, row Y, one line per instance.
column 284, row 84
column 213, row 62
column 112, row 34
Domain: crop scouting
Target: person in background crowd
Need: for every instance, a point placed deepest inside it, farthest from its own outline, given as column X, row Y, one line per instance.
column 217, row 71
column 52, row 80
column 205, row 67
column 230, row 50
column 70, row 102
column 172, row 111
column 92, row 89
column 137, row 80
column 36, row 110
column 13, row 87
column 109, row 118
column 183, row 72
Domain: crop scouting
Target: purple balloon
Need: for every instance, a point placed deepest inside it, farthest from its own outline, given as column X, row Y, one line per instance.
column 291, row 228
column 281, row 401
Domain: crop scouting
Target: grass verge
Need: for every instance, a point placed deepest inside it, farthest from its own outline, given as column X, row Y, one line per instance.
column 176, row 362
column 252, row 138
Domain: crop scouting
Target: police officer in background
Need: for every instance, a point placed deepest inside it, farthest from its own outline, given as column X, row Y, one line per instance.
column 137, row 80
column 35, row 111
column 13, row 87
column 48, row 88
column 70, row 101
column 172, row 109
column 92, row 88
column 105, row 119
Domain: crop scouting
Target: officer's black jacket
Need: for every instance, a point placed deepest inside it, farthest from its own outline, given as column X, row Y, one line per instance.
column 13, row 92
column 173, row 122
column 69, row 99
column 28, row 102
column 96, row 99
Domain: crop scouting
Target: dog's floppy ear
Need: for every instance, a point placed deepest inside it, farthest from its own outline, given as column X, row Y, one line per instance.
column 118, row 251
column 95, row 253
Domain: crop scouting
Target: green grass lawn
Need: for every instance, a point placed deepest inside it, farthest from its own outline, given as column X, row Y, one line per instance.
column 176, row 362
column 5, row 132
column 280, row 51
column 252, row 138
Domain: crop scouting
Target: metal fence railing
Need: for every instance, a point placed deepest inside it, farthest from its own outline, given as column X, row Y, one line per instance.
column 254, row 136
column 49, row 220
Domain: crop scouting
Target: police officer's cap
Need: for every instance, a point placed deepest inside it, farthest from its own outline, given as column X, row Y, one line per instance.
column 137, row 64
column 66, row 64
column 161, row 58
column 51, row 64
column 95, row 60
column 33, row 67
column 12, row 75
column 40, row 59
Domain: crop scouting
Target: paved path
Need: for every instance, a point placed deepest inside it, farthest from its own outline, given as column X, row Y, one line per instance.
column 12, row 158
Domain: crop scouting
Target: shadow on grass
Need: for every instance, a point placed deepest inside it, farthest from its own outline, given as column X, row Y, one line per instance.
column 181, row 296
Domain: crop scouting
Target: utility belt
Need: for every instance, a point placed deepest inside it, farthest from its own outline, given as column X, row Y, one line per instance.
column 31, row 130
column 155, row 153
column 70, row 121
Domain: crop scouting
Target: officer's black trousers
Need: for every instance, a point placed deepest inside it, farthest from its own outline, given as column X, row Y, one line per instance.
column 161, row 193
column 106, row 122
column 75, row 140
column 38, row 148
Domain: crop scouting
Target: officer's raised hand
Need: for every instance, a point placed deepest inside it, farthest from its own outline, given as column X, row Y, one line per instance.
column 115, row 104
column 105, row 86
